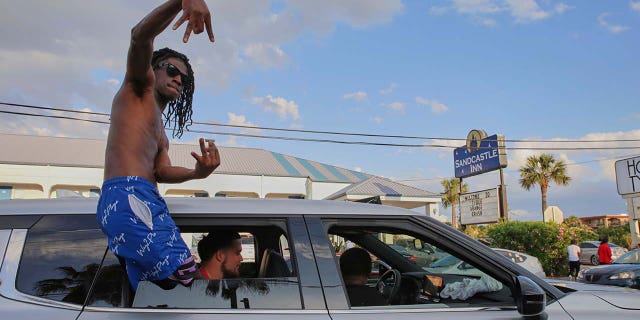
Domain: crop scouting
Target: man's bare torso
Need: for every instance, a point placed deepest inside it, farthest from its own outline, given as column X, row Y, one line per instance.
column 136, row 135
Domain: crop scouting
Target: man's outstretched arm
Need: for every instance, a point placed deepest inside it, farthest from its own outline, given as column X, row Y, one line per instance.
column 139, row 70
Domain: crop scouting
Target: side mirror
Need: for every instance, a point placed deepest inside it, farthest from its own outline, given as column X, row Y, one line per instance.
column 530, row 298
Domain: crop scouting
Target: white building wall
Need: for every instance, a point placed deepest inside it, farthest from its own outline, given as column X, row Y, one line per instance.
column 31, row 181
column 320, row 190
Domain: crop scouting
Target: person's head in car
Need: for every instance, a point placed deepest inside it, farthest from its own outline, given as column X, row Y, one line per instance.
column 355, row 265
column 219, row 252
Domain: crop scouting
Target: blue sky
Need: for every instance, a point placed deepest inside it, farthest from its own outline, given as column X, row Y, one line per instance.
column 531, row 70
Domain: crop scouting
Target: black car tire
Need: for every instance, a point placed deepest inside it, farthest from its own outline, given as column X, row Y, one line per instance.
column 595, row 260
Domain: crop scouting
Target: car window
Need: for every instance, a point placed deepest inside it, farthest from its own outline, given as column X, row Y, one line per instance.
column 264, row 282
column 432, row 277
column 60, row 258
column 629, row 257
column 587, row 245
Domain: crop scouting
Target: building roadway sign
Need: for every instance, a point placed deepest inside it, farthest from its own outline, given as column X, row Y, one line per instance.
column 480, row 155
column 479, row 207
column 628, row 175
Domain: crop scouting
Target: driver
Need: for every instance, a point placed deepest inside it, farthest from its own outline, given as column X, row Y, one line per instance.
column 355, row 265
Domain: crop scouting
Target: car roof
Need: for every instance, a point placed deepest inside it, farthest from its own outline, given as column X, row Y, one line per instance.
column 210, row 206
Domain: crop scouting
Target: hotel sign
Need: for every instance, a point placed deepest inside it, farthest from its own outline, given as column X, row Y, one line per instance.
column 481, row 154
column 628, row 175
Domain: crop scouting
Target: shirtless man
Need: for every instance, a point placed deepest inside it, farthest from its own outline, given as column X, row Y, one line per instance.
column 131, row 211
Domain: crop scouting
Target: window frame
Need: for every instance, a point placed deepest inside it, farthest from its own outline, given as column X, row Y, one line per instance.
column 440, row 235
column 79, row 226
column 310, row 291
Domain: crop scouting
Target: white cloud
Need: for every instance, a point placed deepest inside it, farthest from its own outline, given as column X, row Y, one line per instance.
column 526, row 10
column 398, row 106
column 358, row 96
column 436, row 107
column 390, row 89
column 239, row 120
column 113, row 82
column 377, row 120
column 477, row 6
column 357, row 169
column 265, row 54
column 69, row 44
column 561, row 8
column 278, row 105
column 634, row 5
column 483, row 12
column 613, row 28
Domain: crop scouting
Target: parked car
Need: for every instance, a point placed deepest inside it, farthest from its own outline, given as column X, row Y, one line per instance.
column 423, row 253
column 403, row 251
column 55, row 264
column 527, row 261
column 451, row 264
column 590, row 252
column 623, row 272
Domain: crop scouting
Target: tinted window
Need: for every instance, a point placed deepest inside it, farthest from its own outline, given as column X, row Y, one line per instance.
column 272, row 293
column 277, row 288
column 433, row 278
column 111, row 288
column 586, row 245
column 60, row 258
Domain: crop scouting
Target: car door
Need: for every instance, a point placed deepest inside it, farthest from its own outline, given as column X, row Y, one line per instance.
column 374, row 233
column 296, row 296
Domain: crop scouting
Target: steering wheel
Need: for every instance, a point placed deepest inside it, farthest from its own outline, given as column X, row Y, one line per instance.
column 386, row 289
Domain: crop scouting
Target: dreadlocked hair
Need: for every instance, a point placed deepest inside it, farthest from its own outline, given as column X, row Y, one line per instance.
column 179, row 110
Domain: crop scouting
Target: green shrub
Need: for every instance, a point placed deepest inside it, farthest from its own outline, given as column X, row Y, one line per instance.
column 620, row 235
column 545, row 241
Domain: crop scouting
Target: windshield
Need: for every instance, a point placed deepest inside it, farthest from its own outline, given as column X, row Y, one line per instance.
column 629, row 257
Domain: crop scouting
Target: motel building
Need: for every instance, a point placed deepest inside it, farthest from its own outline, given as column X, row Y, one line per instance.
column 34, row 167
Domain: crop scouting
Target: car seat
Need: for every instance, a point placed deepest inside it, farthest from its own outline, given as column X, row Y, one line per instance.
column 273, row 265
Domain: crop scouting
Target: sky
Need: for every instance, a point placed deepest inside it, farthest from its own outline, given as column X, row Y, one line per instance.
column 528, row 69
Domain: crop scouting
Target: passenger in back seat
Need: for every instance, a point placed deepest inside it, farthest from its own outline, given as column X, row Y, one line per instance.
column 220, row 253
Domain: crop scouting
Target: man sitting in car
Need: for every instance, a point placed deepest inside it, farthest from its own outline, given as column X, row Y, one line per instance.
column 220, row 253
column 355, row 265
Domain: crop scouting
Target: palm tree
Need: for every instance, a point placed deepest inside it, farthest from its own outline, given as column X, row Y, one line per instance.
column 542, row 170
column 451, row 196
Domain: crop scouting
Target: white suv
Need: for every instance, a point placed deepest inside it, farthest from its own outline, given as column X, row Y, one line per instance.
column 54, row 264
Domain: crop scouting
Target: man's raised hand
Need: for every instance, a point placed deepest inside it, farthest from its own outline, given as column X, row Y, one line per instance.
column 208, row 161
column 197, row 13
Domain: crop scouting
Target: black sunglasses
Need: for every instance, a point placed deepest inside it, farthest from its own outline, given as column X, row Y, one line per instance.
column 173, row 71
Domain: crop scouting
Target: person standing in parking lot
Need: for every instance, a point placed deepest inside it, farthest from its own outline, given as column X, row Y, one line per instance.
column 604, row 251
column 574, row 253
column 131, row 212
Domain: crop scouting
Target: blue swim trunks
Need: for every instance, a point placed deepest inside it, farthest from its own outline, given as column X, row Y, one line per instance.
column 140, row 230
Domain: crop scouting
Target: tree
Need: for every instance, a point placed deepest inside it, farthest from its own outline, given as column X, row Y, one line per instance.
column 542, row 170
column 451, row 196
column 573, row 221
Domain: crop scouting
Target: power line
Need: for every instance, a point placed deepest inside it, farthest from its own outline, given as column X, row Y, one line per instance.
column 332, row 132
column 336, row 141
